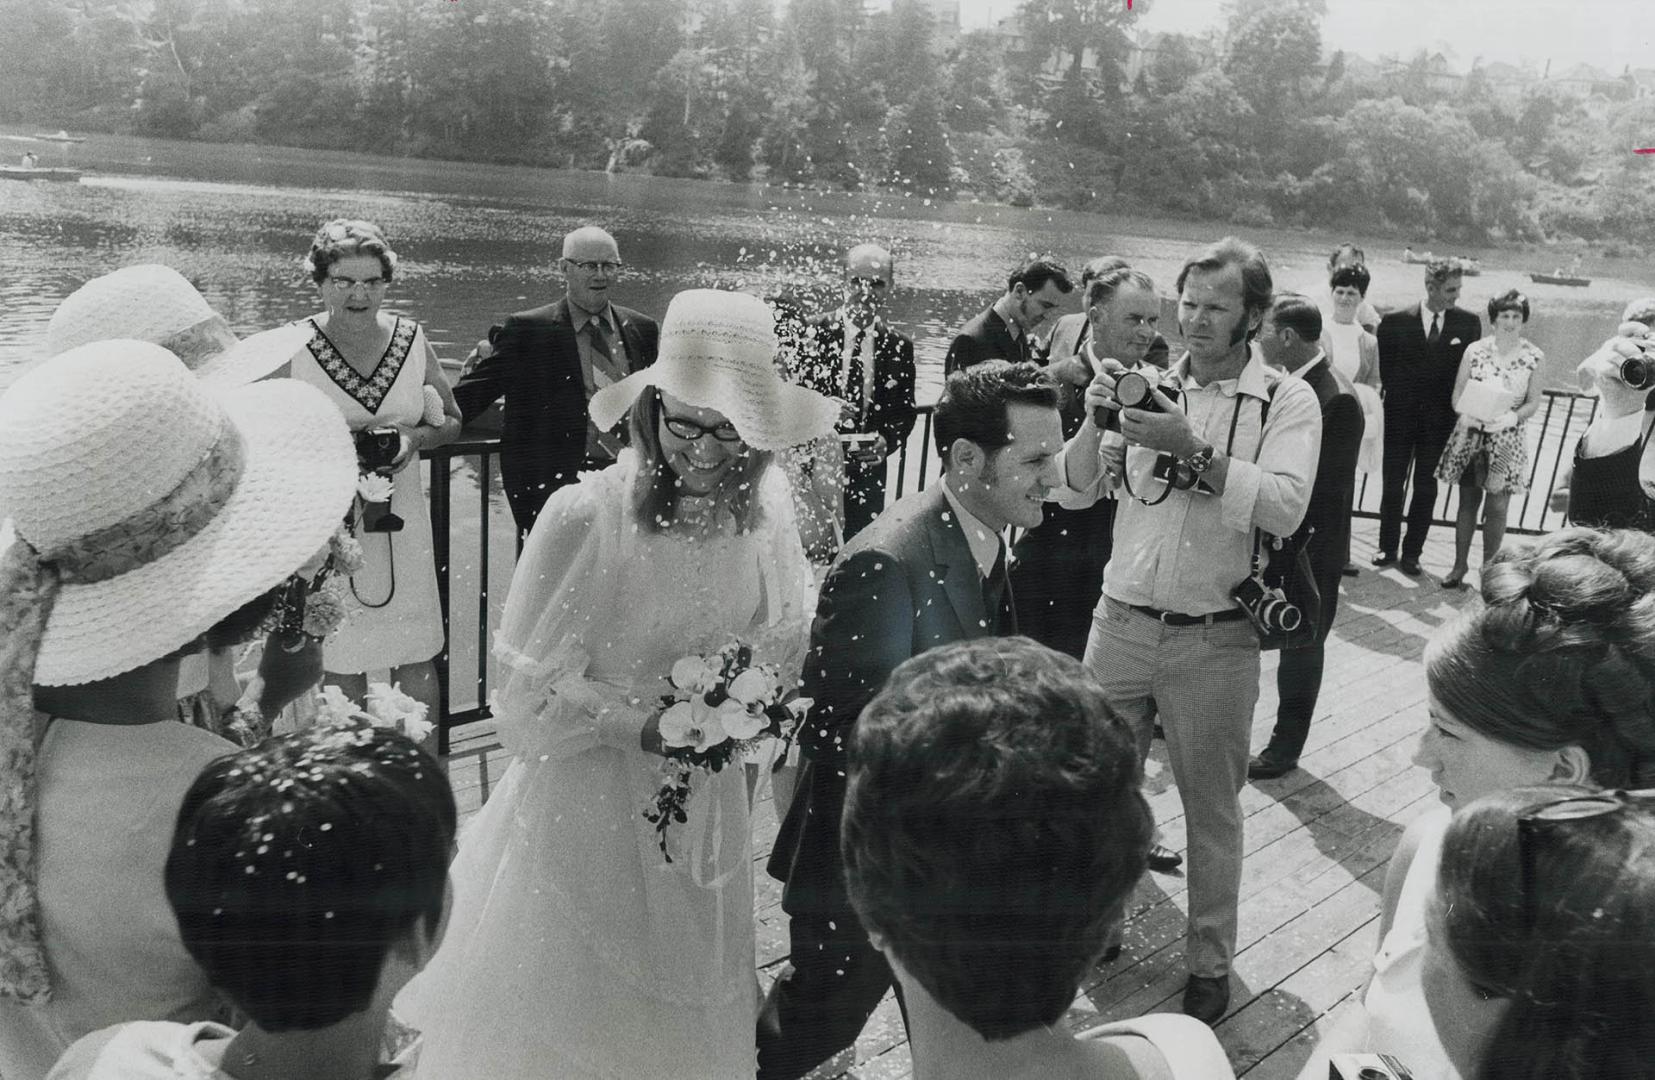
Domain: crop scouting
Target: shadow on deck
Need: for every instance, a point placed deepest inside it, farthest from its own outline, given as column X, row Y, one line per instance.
column 1317, row 841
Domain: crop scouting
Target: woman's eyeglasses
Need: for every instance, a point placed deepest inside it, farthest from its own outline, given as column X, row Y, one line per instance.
column 1538, row 822
column 345, row 284
column 689, row 429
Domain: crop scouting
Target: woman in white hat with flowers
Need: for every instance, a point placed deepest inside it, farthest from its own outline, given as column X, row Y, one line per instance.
column 155, row 303
column 578, row 946
column 147, row 511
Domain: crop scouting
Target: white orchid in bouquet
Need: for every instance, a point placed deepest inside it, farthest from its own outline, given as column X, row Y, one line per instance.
column 387, row 706
column 722, row 706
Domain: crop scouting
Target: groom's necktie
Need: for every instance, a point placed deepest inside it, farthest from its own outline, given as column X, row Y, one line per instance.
column 1436, row 332
column 604, row 372
column 998, row 602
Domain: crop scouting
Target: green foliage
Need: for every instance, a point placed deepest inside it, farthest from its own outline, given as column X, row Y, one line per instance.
column 1250, row 124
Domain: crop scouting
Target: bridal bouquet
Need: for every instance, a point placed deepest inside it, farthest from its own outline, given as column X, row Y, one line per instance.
column 722, row 706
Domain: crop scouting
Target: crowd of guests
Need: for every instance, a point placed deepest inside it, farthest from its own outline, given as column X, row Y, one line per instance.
column 961, row 819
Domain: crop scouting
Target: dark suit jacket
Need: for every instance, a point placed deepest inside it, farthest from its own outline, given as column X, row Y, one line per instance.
column 1417, row 376
column 536, row 365
column 905, row 584
column 891, row 412
column 1328, row 514
column 985, row 337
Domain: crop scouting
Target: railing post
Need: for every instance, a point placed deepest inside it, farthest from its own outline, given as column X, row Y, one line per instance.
column 441, row 550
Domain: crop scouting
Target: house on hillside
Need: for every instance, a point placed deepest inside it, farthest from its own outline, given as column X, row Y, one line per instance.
column 1584, row 80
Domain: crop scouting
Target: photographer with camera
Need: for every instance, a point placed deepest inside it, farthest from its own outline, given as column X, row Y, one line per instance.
column 384, row 376
column 1600, row 485
column 1238, row 442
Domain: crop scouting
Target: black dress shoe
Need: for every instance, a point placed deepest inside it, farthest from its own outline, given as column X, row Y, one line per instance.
column 1207, row 999
column 1261, row 767
column 1110, row 955
column 1383, row 558
column 1164, row 859
column 1350, row 570
column 1409, row 565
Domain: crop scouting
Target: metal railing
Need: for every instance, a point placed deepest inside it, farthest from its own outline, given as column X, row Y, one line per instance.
column 464, row 661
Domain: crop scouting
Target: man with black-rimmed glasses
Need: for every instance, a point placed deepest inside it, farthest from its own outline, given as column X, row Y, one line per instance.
column 548, row 362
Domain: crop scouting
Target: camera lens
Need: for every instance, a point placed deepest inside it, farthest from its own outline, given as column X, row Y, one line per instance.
column 1133, row 391
column 1636, row 373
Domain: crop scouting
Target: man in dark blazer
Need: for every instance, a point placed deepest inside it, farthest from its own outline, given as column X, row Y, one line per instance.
column 928, row 571
column 1005, row 331
column 1289, row 339
column 854, row 355
column 1419, row 355
column 548, row 362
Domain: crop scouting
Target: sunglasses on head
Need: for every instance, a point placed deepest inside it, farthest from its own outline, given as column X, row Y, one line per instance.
column 1537, row 823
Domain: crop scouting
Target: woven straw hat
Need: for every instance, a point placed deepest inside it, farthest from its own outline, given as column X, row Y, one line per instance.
column 157, row 304
column 115, row 440
column 717, row 352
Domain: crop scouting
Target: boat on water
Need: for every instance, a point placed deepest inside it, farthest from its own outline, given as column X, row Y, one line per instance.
column 24, row 172
column 59, row 136
column 1468, row 266
column 1560, row 279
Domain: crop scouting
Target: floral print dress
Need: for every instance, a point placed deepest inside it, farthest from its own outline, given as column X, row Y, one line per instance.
column 1497, row 461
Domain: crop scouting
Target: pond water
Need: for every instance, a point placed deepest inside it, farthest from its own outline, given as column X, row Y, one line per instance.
column 478, row 242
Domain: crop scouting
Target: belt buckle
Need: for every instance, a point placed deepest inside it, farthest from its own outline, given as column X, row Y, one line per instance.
column 1166, row 619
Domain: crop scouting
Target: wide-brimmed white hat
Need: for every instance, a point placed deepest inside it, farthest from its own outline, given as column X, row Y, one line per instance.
column 717, row 352
column 156, row 303
column 145, row 507
column 164, row 504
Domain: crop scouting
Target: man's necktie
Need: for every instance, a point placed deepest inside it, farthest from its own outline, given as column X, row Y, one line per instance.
column 604, row 372
column 1431, row 338
column 853, row 379
column 998, row 602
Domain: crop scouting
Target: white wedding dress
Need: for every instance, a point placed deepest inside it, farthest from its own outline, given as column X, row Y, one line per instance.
column 575, row 949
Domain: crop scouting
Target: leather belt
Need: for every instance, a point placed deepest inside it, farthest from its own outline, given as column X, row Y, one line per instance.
column 1178, row 618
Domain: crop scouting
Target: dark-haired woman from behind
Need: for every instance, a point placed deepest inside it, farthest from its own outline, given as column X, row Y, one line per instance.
column 1540, row 961
column 1550, row 681
column 309, row 877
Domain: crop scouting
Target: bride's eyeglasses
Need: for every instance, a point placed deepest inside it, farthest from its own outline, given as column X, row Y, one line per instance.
column 689, row 429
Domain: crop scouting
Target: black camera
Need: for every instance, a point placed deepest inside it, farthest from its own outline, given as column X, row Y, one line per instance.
column 377, row 448
column 1268, row 608
column 1133, row 390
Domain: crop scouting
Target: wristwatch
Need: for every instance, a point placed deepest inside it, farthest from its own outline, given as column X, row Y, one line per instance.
column 1202, row 460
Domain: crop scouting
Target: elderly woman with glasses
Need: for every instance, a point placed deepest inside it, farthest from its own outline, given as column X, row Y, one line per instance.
column 383, row 375
column 1540, row 962
column 1550, row 681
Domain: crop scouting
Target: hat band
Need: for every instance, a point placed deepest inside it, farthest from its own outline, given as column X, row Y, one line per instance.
column 160, row 527
column 195, row 345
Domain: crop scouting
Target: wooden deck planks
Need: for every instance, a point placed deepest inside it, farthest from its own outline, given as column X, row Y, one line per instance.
column 1317, row 842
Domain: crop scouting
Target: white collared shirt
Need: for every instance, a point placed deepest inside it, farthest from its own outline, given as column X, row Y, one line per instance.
column 1003, row 308
column 1299, row 373
column 1426, row 315
column 870, row 334
column 986, row 544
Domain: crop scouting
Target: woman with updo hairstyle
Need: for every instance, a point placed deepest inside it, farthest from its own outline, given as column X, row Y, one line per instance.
column 1550, row 681
column 1540, row 962
column 380, row 371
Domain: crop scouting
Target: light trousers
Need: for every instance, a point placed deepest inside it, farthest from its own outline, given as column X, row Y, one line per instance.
column 1201, row 682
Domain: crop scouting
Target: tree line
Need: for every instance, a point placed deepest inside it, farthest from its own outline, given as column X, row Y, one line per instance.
column 1250, row 123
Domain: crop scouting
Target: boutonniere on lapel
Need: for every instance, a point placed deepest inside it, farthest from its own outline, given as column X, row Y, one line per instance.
column 1454, row 342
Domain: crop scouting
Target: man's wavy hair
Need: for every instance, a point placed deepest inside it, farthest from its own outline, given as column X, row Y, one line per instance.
column 1570, row 938
column 993, row 827
column 1257, row 286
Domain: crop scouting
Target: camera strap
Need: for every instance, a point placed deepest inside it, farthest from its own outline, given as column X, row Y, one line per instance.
column 1229, row 443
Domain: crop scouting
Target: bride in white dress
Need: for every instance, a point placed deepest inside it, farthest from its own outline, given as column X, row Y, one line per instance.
column 575, row 948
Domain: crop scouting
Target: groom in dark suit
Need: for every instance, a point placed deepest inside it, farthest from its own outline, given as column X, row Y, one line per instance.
column 928, row 571
column 1419, row 355
column 1288, row 338
column 548, row 362
column 860, row 359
